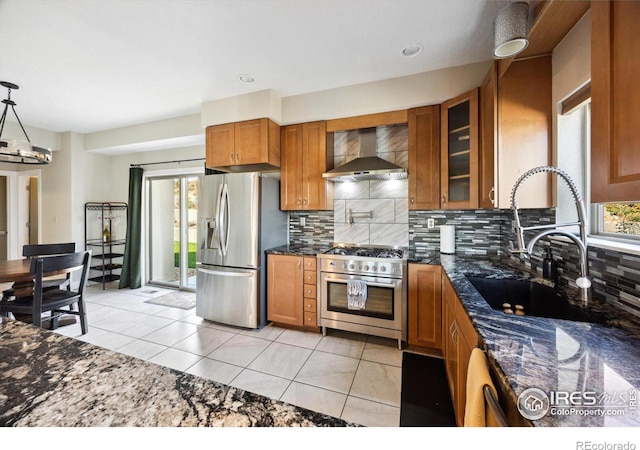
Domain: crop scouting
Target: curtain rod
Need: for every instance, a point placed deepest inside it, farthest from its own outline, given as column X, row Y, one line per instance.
column 167, row 162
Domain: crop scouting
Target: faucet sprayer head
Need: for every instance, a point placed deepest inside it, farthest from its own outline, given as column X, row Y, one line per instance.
column 583, row 283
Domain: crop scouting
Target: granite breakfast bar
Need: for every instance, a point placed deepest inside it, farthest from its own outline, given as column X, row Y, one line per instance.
column 51, row 380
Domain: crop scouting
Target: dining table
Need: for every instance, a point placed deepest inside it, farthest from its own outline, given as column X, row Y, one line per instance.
column 18, row 272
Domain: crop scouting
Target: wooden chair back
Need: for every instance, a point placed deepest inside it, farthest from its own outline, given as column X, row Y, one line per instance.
column 60, row 263
column 32, row 250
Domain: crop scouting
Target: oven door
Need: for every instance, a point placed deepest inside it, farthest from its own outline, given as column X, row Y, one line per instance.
column 383, row 308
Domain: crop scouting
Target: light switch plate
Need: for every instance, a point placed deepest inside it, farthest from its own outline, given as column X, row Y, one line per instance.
column 430, row 223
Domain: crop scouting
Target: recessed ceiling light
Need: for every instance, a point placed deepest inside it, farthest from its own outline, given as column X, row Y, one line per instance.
column 411, row 50
column 246, row 78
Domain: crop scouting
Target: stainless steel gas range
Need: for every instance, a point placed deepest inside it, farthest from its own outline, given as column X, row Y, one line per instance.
column 384, row 271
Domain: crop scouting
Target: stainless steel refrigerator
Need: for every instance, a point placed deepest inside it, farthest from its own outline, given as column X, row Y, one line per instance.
column 239, row 218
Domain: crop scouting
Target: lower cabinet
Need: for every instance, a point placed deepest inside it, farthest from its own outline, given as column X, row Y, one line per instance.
column 291, row 290
column 425, row 306
column 458, row 339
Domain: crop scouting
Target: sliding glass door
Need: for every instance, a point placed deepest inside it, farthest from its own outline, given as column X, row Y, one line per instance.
column 172, row 226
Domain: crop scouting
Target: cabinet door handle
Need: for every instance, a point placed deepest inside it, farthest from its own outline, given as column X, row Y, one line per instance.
column 237, row 157
column 444, row 199
column 231, row 157
column 492, row 195
column 304, row 202
column 413, row 200
column 299, row 264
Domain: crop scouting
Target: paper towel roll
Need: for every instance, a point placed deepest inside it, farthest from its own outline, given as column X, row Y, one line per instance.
column 447, row 239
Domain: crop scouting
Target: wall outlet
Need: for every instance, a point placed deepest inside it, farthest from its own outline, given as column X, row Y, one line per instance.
column 430, row 223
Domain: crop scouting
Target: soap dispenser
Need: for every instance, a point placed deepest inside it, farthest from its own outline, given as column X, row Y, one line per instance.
column 549, row 267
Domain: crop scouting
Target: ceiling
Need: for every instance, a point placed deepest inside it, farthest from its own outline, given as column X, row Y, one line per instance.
column 87, row 66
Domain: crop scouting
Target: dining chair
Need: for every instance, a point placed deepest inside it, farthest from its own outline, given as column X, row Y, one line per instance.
column 33, row 250
column 52, row 300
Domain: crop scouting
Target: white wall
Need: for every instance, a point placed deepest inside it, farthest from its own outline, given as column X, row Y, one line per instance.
column 386, row 95
column 422, row 89
column 120, row 166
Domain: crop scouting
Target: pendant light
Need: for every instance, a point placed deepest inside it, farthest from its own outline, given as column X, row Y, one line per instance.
column 510, row 30
column 17, row 151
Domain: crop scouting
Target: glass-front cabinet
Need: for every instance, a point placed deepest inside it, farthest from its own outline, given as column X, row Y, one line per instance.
column 459, row 152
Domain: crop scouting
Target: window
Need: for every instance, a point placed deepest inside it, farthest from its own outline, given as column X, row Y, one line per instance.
column 621, row 220
column 618, row 221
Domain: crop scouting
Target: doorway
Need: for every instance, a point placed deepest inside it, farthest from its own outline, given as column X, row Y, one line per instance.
column 172, row 230
column 20, row 216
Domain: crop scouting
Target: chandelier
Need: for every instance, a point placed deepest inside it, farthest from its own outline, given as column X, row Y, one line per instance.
column 18, row 151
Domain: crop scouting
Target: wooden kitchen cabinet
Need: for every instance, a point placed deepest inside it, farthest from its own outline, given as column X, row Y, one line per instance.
column 459, row 339
column 310, row 295
column 251, row 143
column 459, row 152
column 284, row 289
column 424, row 157
column 515, row 133
column 425, row 305
column 615, row 101
column 291, row 290
column 305, row 157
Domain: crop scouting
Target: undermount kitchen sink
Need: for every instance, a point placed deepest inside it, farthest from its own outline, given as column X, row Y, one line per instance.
column 529, row 298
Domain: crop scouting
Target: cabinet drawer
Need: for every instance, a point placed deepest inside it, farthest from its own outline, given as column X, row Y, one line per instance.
column 310, row 291
column 310, row 277
column 310, row 263
column 310, row 319
column 310, row 305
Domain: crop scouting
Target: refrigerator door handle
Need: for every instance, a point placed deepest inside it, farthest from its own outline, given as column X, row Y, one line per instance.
column 224, row 225
column 218, row 220
column 225, row 273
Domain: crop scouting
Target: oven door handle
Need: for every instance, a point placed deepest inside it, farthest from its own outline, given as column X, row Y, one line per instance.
column 369, row 283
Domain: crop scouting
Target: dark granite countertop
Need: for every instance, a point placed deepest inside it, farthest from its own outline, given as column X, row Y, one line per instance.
column 297, row 250
column 51, row 380
column 555, row 355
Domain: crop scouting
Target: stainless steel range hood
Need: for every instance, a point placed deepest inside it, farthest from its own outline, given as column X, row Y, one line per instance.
column 367, row 166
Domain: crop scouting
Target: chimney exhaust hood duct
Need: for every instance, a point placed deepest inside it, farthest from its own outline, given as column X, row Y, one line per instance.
column 367, row 166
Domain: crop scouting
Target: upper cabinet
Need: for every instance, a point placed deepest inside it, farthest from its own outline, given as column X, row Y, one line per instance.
column 244, row 146
column 615, row 101
column 305, row 157
column 424, row 157
column 515, row 133
column 459, row 152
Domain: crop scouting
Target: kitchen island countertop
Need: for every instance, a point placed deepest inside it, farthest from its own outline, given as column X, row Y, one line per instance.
column 51, row 380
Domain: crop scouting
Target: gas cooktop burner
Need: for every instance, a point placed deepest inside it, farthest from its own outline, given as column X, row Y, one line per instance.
column 367, row 252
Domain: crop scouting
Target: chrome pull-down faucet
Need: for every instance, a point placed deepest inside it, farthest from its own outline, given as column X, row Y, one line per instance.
column 583, row 281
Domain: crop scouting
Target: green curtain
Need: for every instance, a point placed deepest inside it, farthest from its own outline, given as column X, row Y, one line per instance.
column 131, row 274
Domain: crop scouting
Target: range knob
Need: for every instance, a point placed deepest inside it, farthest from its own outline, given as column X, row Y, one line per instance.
column 383, row 268
column 345, row 265
column 374, row 268
column 359, row 266
column 352, row 266
column 366, row 267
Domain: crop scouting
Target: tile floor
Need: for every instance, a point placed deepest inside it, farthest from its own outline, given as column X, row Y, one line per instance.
column 345, row 375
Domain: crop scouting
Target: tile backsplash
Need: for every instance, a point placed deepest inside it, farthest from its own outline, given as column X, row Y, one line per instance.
column 379, row 207
column 387, row 203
